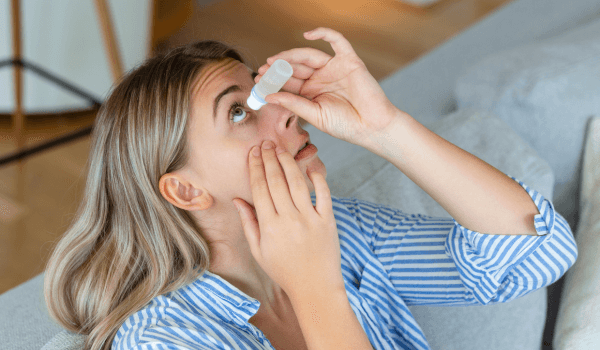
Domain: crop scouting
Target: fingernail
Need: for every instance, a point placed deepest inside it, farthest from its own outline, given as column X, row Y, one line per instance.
column 267, row 144
column 256, row 151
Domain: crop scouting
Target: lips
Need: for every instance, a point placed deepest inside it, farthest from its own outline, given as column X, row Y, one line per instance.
column 304, row 143
column 302, row 147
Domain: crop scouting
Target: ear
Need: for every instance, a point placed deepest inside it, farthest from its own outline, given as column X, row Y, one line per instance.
column 182, row 194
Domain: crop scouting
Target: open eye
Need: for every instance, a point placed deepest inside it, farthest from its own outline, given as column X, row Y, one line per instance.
column 237, row 110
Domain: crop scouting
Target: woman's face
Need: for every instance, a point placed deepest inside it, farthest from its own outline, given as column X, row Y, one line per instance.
column 223, row 130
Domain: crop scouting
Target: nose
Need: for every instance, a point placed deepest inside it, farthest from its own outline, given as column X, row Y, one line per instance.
column 284, row 126
column 291, row 119
column 285, row 119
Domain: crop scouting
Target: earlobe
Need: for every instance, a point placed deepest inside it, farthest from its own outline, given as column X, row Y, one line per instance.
column 201, row 202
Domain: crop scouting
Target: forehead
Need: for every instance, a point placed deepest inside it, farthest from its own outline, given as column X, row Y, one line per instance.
column 216, row 76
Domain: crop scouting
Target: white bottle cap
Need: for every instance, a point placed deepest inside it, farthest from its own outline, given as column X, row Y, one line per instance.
column 255, row 102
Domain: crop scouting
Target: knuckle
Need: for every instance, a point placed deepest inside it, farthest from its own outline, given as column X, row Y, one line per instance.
column 278, row 180
column 269, row 230
column 255, row 175
column 258, row 185
column 255, row 178
column 256, row 164
column 296, row 224
column 297, row 181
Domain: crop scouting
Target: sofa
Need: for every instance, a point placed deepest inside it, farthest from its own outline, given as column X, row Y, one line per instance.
column 520, row 90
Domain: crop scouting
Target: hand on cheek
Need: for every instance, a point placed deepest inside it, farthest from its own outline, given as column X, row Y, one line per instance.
column 294, row 242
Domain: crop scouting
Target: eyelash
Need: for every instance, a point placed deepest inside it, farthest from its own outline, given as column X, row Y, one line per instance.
column 234, row 105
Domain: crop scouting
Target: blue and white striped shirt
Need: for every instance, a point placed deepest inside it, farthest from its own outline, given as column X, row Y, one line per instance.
column 390, row 259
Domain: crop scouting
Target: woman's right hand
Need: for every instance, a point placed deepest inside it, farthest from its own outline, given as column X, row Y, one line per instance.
column 294, row 242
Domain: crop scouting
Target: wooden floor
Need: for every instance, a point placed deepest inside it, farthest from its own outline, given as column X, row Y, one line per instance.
column 39, row 195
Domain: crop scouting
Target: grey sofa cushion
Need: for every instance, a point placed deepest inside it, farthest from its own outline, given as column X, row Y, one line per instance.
column 517, row 325
column 424, row 88
column 546, row 92
column 65, row 340
column 24, row 319
column 354, row 171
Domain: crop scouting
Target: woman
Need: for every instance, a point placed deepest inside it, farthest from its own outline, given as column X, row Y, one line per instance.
column 159, row 258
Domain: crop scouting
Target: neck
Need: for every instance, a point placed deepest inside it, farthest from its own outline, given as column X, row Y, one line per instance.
column 240, row 269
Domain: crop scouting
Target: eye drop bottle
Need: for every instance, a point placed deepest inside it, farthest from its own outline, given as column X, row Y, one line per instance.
column 275, row 77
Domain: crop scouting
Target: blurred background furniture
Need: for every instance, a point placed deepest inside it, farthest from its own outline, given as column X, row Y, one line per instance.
column 165, row 18
column 42, row 156
column 19, row 64
column 427, row 89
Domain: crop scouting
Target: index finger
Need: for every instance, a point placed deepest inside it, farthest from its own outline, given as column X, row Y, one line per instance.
column 298, row 188
column 307, row 56
column 263, row 203
column 301, row 71
column 339, row 44
column 293, row 85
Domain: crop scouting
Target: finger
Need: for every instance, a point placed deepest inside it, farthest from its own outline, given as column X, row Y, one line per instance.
column 250, row 226
column 295, row 179
column 323, row 195
column 278, row 186
column 307, row 56
column 302, row 107
column 265, row 209
column 340, row 45
column 301, row 71
column 293, row 85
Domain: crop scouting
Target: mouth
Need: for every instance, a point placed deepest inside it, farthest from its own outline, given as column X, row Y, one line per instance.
column 307, row 151
column 303, row 146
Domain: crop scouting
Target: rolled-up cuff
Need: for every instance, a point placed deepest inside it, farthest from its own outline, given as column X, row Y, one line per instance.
column 484, row 260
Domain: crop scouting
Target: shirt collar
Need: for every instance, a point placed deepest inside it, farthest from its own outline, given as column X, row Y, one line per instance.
column 225, row 291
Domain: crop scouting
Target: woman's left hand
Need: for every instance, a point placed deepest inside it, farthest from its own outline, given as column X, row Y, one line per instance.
column 342, row 98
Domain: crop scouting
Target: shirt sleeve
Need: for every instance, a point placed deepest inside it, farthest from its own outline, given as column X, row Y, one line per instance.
column 436, row 261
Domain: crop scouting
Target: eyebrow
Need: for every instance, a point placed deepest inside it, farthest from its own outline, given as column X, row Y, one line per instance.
column 232, row 88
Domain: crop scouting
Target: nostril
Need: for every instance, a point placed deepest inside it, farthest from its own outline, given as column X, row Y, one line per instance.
column 287, row 125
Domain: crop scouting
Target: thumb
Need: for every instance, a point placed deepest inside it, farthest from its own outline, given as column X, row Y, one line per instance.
column 300, row 105
column 250, row 226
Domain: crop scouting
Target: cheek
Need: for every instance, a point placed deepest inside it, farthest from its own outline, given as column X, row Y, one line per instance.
column 232, row 166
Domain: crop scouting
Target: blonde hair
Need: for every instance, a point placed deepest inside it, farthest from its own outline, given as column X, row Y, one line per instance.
column 126, row 243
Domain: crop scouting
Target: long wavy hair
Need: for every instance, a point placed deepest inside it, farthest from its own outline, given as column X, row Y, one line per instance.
column 126, row 243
